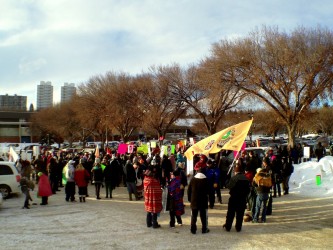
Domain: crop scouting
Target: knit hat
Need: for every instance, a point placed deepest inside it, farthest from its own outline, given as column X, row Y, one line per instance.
column 203, row 157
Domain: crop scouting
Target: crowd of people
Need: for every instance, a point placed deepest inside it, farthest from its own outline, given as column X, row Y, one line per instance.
column 161, row 182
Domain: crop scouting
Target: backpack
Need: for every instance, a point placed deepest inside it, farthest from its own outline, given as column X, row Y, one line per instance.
column 263, row 180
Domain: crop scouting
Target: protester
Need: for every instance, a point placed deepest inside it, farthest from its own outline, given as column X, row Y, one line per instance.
column 201, row 164
column 70, row 184
column 320, row 151
column 287, row 170
column 213, row 177
column 25, row 185
column 197, row 194
column 239, row 187
column 110, row 176
column 263, row 186
column 175, row 204
column 52, row 168
column 97, row 177
column 153, row 196
column 44, row 188
column 131, row 180
column 81, row 178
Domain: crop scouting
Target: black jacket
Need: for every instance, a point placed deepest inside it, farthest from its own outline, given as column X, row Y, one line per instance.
column 197, row 192
column 239, row 186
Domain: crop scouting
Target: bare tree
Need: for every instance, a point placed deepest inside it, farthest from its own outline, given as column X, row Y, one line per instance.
column 202, row 89
column 158, row 104
column 288, row 72
column 322, row 120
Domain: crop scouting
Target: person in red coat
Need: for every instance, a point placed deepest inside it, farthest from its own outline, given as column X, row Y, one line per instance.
column 44, row 188
column 81, row 178
column 153, row 196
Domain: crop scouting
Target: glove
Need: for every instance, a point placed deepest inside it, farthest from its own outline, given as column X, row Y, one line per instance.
column 215, row 185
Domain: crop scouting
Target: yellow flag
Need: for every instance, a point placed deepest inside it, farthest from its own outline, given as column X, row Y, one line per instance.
column 231, row 138
column 97, row 151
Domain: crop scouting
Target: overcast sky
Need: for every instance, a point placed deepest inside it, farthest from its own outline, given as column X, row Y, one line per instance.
column 72, row 40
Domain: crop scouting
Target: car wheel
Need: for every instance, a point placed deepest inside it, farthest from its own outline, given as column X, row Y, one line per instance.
column 5, row 190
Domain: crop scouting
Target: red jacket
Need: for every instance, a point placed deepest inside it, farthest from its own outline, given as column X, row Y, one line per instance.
column 81, row 177
column 44, row 187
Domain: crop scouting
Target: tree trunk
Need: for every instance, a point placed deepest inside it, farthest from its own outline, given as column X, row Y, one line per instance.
column 291, row 134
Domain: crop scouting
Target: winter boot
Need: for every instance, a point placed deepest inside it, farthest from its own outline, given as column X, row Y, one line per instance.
column 80, row 199
column 130, row 197
column 84, row 199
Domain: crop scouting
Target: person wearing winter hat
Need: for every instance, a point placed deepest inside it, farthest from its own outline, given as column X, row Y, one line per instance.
column 201, row 164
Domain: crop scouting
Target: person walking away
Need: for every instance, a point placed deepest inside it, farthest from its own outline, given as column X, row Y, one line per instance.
column 97, row 179
column 70, row 185
column 239, row 187
column 82, row 177
column 175, row 203
column 262, row 182
column 153, row 196
column 197, row 194
column 44, row 188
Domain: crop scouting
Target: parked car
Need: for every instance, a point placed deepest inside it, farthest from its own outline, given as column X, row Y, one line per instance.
column 9, row 179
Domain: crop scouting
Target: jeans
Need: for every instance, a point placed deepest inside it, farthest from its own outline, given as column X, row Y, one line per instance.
column 262, row 199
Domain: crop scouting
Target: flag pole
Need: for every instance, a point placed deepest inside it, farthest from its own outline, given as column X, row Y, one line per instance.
column 232, row 164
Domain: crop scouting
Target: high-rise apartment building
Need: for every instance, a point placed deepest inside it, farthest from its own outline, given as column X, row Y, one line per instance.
column 67, row 91
column 44, row 95
column 15, row 102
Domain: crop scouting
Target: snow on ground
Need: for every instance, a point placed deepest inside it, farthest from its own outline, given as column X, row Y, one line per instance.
column 303, row 180
column 301, row 220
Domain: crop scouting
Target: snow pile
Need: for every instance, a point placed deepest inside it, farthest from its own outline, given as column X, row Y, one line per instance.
column 304, row 179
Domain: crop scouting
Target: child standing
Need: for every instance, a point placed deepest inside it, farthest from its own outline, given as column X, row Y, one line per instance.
column 175, row 203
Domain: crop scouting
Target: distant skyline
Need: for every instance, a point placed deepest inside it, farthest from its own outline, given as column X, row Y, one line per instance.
column 71, row 41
